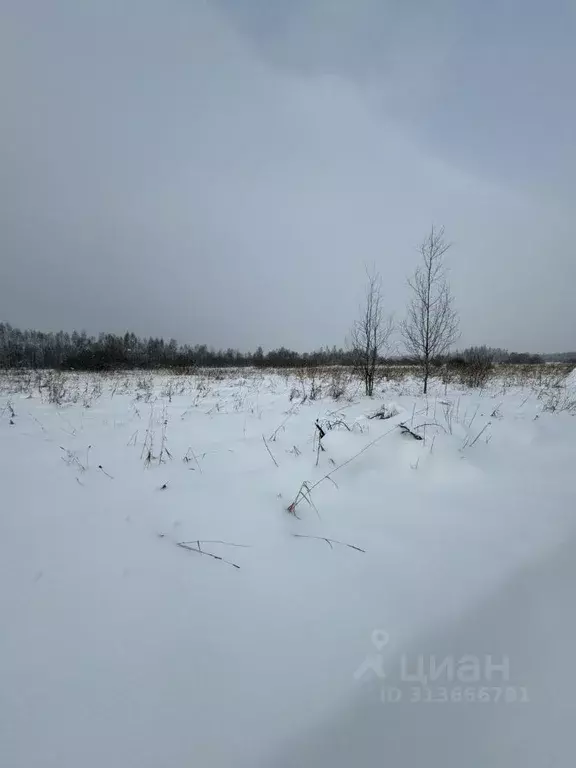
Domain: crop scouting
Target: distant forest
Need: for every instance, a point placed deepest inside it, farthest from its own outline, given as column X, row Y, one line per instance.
column 107, row 351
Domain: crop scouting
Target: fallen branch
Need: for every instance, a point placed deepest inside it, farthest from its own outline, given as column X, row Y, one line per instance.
column 407, row 431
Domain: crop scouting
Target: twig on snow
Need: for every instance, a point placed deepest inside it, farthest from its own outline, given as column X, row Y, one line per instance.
column 329, row 541
column 290, row 413
column 200, row 551
column 217, row 541
column 37, row 422
column 480, row 433
column 407, row 431
column 473, row 417
column 269, row 451
column 187, row 459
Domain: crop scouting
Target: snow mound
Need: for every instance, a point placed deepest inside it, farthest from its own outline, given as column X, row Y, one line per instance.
column 387, row 411
column 570, row 380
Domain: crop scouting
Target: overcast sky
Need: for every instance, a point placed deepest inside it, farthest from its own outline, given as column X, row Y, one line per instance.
column 220, row 171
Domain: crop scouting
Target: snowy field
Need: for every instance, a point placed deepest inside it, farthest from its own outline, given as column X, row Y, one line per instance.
column 192, row 575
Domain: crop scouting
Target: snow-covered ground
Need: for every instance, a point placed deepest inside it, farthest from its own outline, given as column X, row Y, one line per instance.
column 328, row 579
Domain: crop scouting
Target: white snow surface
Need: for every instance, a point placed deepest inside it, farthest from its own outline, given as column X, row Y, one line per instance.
column 571, row 379
column 119, row 648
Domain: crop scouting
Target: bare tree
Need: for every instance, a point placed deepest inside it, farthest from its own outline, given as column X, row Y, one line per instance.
column 431, row 324
column 371, row 333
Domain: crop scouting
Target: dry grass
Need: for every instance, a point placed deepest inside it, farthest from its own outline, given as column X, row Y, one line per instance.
column 306, row 383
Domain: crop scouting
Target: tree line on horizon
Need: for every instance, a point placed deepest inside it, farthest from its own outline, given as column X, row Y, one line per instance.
column 108, row 351
column 429, row 332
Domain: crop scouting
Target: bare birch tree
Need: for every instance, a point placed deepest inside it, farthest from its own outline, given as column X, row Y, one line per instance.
column 371, row 333
column 431, row 324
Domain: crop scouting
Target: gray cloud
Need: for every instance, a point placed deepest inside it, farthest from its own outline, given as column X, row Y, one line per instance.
column 221, row 171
